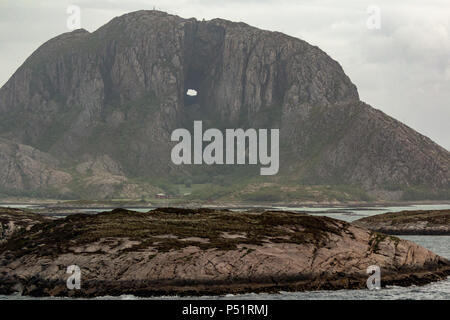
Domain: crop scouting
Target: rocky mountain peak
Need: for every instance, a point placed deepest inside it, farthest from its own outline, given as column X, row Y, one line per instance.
column 121, row 90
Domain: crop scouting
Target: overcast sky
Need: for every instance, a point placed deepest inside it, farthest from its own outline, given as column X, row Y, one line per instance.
column 402, row 68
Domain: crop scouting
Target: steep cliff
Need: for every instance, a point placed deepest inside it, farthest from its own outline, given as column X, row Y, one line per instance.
column 120, row 91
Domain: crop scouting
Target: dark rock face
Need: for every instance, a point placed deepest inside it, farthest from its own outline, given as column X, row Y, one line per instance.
column 120, row 92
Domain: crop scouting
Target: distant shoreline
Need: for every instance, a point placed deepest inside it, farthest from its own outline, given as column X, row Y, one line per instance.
column 137, row 204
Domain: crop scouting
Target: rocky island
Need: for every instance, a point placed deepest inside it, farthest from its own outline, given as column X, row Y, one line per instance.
column 420, row 222
column 174, row 251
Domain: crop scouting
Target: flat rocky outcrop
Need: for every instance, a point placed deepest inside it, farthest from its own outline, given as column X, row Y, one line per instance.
column 420, row 222
column 204, row 251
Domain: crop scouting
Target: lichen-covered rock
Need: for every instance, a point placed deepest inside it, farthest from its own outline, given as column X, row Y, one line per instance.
column 204, row 251
column 14, row 220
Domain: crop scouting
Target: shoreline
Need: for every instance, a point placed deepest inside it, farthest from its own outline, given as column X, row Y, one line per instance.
column 40, row 288
column 137, row 204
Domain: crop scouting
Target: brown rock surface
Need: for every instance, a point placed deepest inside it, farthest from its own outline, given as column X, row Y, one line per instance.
column 419, row 222
column 15, row 220
column 185, row 252
column 26, row 168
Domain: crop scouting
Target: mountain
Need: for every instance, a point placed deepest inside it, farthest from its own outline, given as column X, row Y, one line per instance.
column 98, row 109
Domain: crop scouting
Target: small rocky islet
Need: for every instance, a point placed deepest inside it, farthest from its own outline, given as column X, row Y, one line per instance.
column 174, row 251
column 418, row 222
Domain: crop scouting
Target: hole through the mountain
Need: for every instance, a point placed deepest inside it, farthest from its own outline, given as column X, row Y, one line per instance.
column 191, row 97
column 191, row 93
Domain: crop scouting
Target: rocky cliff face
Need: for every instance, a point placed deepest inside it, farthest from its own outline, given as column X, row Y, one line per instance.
column 120, row 91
